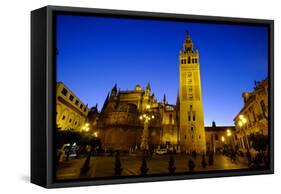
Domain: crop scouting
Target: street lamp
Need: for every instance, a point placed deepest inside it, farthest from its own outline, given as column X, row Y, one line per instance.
column 230, row 140
column 146, row 117
column 242, row 120
column 228, row 132
column 222, row 139
column 240, row 123
column 86, row 127
column 96, row 134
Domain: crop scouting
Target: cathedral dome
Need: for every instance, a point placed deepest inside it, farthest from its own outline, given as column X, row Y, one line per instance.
column 138, row 88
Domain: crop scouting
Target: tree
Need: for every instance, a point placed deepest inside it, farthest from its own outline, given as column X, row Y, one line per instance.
column 70, row 137
column 171, row 166
column 259, row 142
column 67, row 137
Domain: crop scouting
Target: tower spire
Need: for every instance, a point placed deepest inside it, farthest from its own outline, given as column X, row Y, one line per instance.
column 188, row 45
column 114, row 90
column 148, row 86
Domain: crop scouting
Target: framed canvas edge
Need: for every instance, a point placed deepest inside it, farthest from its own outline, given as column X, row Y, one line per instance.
column 38, row 99
column 50, row 87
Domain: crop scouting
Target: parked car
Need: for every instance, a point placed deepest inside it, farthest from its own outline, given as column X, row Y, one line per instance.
column 161, row 151
column 62, row 153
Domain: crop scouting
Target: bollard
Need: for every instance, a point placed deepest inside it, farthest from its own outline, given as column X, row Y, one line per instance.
column 143, row 168
column 171, row 166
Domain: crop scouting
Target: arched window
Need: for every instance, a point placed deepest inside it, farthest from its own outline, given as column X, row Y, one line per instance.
column 59, row 110
column 64, row 115
column 188, row 60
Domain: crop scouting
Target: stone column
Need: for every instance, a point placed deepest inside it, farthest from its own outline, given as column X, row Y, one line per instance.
column 144, row 137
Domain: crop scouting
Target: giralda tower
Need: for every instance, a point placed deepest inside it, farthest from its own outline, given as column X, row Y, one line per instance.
column 192, row 131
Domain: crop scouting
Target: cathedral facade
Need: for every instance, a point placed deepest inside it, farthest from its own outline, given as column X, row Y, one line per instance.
column 119, row 125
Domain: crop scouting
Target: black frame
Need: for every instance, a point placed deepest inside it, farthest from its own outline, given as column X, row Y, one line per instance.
column 43, row 93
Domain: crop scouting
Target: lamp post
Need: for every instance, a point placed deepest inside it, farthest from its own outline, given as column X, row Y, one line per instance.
column 146, row 117
column 86, row 127
column 241, row 122
column 223, row 139
column 229, row 137
column 228, row 133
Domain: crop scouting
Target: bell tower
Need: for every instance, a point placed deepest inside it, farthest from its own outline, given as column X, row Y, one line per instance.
column 191, row 129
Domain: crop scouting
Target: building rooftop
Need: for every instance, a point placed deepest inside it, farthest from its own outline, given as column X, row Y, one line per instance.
column 219, row 128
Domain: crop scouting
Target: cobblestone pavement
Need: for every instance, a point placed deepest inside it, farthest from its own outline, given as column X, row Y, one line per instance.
column 103, row 166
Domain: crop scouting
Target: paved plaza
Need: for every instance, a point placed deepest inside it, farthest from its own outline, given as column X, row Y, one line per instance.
column 103, row 166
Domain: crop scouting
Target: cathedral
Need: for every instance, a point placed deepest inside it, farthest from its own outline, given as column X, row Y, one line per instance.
column 119, row 124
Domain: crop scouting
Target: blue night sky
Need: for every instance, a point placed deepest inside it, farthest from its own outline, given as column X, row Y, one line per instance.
column 95, row 53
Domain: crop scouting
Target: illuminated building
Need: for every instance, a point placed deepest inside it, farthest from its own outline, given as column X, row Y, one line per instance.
column 119, row 123
column 169, row 122
column 253, row 117
column 192, row 131
column 71, row 111
column 218, row 136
